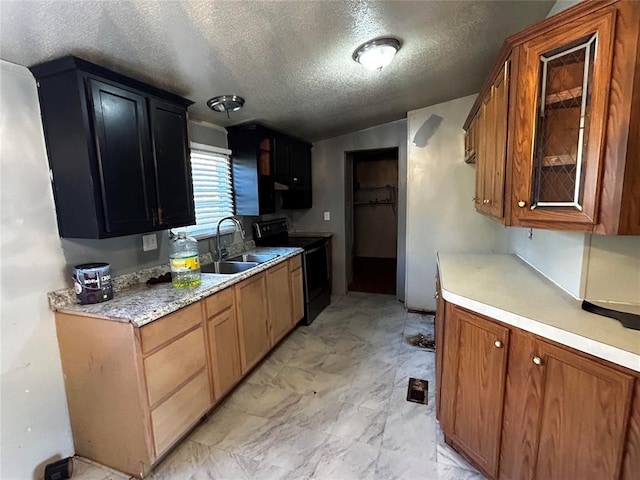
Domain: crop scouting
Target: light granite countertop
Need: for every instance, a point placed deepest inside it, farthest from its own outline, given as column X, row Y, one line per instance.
column 141, row 304
column 505, row 288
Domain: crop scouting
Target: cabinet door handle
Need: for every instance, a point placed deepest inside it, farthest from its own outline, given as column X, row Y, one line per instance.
column 537, row 360
column 522, row 203
column 435, row 295
column 474, row 199
column 497, row 344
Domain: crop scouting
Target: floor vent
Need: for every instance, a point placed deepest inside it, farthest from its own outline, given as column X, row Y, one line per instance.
column 418, row 391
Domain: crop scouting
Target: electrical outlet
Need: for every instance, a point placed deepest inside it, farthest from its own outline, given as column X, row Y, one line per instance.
column 327, row 216
column 149, row 242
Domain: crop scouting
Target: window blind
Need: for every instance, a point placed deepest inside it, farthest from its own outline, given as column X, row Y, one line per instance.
column 212, row 188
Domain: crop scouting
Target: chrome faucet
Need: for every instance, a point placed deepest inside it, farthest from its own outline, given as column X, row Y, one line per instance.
column 238, row 225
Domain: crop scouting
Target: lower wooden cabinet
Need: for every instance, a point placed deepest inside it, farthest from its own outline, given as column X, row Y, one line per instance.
column 280, row 305
column 297, row 293
column 566, row 414
column 473, row 380
column 173, row 417
column 531, row 409
column 253, row 320
column 133, row 393
column 224, row 346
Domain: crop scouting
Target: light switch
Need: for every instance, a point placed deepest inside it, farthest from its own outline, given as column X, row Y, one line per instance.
column 327, row 216
column 149, row 242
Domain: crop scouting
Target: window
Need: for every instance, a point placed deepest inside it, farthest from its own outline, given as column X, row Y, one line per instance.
column 212, row 188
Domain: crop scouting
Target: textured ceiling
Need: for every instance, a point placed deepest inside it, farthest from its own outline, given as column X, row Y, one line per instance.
column 291, row 60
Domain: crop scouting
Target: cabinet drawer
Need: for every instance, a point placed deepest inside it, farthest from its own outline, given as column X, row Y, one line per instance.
column 166, row 328
column 295, row 262
column 175, row 415
column 167, row 368
column 218, row 302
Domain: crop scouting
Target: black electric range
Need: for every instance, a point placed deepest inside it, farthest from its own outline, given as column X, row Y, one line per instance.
column 315, row 262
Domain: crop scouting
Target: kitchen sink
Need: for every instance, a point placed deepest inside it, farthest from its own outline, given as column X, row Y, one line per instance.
column 254, row 257
column 227, row 267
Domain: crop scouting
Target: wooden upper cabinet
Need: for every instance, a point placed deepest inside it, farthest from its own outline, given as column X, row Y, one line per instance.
column 490, row 148
column 473, row 382
column 561, row 115
column 470, row 142
column 572, row 123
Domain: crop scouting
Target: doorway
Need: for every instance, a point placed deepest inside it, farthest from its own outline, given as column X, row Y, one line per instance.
column 372, row 220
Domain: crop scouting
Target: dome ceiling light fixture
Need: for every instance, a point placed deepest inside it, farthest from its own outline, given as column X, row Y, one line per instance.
column 377, row 53
column 225, row 103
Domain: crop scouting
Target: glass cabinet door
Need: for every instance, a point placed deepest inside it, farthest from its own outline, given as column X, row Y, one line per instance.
column 559, row 136
column 564, row 108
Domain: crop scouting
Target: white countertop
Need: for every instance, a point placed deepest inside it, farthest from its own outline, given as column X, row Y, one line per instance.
column 505, row 288
column 141, row 304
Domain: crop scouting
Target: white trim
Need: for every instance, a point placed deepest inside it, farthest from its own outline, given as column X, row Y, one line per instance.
column 210, row 148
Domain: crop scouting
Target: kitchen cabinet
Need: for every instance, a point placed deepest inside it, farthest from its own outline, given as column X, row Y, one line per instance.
column 252, row 150
column 299, row 195
column 297, row 289
column 545, row 410
column 280, row 302
column 134, row 392
column 253, row 320
column 492, row 148
column 544, row 435
column 473, row 382
column 564, row 84
column 439, row 334
column 471, row 141
column 118, row 151
column 224, row 347
column 573, row 122
column 264, row 161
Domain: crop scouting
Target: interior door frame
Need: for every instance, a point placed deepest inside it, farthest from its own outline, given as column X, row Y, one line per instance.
column 349, row 222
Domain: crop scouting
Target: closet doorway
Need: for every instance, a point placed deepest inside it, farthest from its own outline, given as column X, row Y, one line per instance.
column 372, row 220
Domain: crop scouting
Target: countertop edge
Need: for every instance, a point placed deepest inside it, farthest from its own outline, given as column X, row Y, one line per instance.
column 587, row 345
column 173, row 306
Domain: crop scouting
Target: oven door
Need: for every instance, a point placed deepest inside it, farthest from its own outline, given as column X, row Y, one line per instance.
column 317, row 292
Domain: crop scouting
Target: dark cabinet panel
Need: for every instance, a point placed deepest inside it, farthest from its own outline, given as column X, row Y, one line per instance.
column 124, row 157
column 118, row 151
column 173, row 168
column 265, row 161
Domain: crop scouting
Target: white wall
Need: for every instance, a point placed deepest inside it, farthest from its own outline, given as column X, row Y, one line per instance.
column 328, row 165
column 559, row 256
column 613, row 269
column 33, row 261
column 440, row 212
column 35, row 421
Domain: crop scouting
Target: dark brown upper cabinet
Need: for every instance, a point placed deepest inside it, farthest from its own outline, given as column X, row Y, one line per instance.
column 118, row 151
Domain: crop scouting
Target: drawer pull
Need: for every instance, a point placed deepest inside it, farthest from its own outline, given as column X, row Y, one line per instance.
column 522, row 203
column 498, row 344
column 537, row 360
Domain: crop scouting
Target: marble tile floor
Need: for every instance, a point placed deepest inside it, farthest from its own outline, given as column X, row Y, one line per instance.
column 328, row 403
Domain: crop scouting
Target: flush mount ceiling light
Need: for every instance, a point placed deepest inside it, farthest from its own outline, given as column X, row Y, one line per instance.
column 377, row 53
column 225, row 103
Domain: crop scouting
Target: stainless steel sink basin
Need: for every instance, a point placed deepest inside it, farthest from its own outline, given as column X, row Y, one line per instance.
column 227, row 267
column 254, row 257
